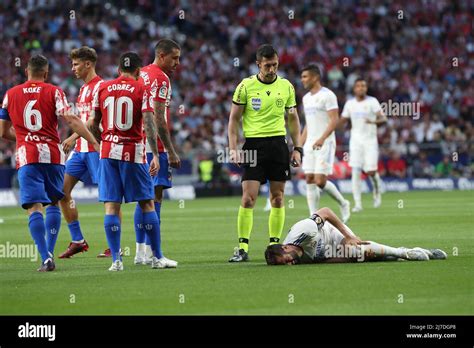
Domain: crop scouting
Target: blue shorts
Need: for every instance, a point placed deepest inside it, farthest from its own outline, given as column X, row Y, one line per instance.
column 163, row 178
column 84, row 166
column 120, row 180
column 40, row 183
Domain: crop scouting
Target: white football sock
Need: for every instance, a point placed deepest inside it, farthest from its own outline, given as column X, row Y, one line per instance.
column 148, row 252
column 381, row 250
column 332, row 190
column 375, row 180
column 356, row 187
column 140, row 249
column 312, row 196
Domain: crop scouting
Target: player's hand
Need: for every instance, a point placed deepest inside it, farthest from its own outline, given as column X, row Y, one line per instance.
column 234, row 157
column 318, row 144
column 295, row 159
column 369, row 121
column 174, row 160
column 68, row 144
column 154, row 166
column 354, row 241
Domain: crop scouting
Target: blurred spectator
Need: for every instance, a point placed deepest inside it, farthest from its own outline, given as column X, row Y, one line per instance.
column 205, row 170
column 396, row 166
column 219, row 38
column 422, row 168
column 444, row 168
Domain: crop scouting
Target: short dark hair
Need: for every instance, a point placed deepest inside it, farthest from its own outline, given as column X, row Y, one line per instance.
column 272, row 252
column 358, row 79
column 129, row 62
column 266, row 51
column 313, row 69
column 166, row 46
column 37, row 64
column 84, row 53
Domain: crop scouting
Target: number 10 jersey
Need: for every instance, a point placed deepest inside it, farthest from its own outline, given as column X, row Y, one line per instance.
column 122, row 102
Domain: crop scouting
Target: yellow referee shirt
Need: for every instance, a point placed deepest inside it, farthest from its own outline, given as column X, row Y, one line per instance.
column 265, row 105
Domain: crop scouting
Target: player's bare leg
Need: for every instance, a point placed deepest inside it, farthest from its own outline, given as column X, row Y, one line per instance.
column 356, row 189
column 375, row 251
column 71, row 215
column 312, row 193
column 38, row 233
column 376, row 191
column 250, row 189
column 321, row 181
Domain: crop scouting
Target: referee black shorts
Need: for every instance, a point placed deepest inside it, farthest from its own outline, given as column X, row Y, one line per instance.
column 265, row 159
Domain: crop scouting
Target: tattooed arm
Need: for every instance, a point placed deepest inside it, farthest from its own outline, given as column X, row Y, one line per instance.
column 150, row 131
column 163, row 132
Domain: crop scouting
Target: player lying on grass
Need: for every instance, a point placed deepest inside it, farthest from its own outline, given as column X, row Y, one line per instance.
column 323, row 238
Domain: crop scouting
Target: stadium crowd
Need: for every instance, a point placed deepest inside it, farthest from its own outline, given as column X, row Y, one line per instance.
column 419, row 52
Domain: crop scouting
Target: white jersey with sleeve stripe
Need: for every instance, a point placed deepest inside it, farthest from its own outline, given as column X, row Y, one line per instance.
column 316, row 107
column 359, row 112
column 313, row 240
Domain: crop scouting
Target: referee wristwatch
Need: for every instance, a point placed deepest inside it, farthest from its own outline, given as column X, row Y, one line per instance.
column 299, row 149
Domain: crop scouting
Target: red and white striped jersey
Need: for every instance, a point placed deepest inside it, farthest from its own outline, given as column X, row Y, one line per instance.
column 33, row 108
column 121, row 103
column 84, row 105
column 160, row 89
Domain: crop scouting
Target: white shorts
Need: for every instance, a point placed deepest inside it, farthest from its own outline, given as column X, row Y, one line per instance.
column 364, row 155
column 319, row 161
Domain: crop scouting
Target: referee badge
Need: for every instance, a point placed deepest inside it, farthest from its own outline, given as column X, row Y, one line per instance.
column 279, row 102
column 256, row 103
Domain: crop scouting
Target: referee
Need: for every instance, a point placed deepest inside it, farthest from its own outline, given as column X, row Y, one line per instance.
column 261, row 102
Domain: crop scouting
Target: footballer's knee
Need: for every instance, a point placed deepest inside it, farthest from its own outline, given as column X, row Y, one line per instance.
column 277, row 200
column 320, row 180
column 276, row 194
column 147, row 206
column 310, row 179
column 34, row 207
column 112, row 208
column 248, row 201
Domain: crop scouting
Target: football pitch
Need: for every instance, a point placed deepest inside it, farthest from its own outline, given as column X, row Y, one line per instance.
column 201, row 235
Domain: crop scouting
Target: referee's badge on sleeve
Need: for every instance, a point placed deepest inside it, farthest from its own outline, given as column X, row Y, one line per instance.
column 256, row 103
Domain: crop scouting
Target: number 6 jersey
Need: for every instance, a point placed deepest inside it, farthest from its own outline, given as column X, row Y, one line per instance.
column 121, row 103
column 33, row 108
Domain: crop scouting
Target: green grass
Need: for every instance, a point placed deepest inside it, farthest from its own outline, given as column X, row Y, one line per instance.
column 201, row 236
